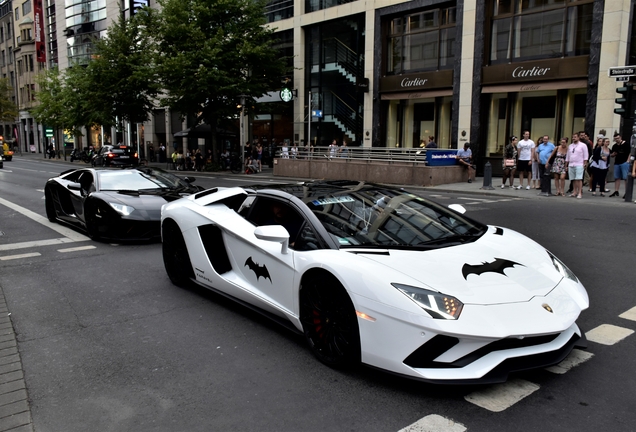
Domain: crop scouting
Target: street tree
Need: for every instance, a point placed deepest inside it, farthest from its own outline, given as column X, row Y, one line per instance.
column 122, row 70
column 8, row 109
column 212, row 52
column 50, row 110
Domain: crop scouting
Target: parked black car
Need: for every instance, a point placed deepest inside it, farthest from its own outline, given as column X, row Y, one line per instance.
column 115, row 155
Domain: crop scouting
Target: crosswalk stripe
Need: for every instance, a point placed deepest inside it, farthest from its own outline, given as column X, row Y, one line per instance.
column 37, row 243
column 75, row 249
column 630, row 314
column 608, row 334
column 12, row 257
column 435, row 423
column 575, row 358
column 502, row 396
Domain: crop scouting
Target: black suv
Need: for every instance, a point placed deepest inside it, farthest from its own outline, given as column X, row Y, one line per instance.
column 115, row 155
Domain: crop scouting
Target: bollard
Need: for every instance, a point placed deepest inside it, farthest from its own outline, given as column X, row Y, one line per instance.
column 487, row 177
column 629, row 187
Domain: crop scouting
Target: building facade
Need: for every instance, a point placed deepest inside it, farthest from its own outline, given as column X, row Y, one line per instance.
column 476, row 71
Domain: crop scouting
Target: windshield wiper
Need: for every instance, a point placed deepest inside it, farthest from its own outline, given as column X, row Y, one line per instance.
column 454, row 239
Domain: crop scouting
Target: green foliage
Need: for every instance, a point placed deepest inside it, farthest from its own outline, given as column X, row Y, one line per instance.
column 8, row 110
column 210, row 52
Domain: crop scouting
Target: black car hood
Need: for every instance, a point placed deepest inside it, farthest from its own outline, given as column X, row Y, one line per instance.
column 147, row 205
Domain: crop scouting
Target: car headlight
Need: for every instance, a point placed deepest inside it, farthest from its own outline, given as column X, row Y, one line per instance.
column 122, row 209
column 562, row 268
column 437, row 305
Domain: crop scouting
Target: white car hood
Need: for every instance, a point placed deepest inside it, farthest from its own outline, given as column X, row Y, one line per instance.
column 525, row 269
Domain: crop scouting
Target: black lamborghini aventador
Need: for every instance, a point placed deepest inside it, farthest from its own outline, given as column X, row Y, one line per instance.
column 115, row 205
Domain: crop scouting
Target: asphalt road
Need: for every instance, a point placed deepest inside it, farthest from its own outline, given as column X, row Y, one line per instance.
column 107, row 343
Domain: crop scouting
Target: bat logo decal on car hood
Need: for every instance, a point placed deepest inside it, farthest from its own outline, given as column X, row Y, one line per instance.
column 497, row 266
column 259, row 270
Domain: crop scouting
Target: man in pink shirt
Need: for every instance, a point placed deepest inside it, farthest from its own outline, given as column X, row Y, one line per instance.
column 575, row 162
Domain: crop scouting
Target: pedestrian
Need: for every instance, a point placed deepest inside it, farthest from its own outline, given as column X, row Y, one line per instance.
column 175, row 158
column 558, row 165
column 525, row 156
column 198, row 160
column 599, row 166
column 259, row 156
column 151, row 153
column 536, row 175
column 333, row 147
column 294, row 150
column 590, row 168
column 509, row 162
column 344, row 150
column 465, row 158
column 544, row 152
column 620, row 151
column 576, row 161
column 431, row 142
column 285, row 150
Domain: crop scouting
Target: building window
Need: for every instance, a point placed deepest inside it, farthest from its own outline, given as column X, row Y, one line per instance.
column 10, row 55
column 277, row 10
column 17, row 14
column 422, row 41
column 528, row 30
column 8, row 30
column 19, row 67
column 1, row 34
column 26, row 7
column 32, row 92
column 3, row 60
column 30, row 63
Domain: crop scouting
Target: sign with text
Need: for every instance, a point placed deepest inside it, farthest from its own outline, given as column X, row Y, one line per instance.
column 621, row 71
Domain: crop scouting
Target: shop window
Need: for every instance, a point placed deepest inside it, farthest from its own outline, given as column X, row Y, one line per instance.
column 539, row 29
column 422, row 41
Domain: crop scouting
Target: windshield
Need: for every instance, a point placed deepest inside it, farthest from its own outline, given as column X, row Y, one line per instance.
column 145, row 179
column 390, row 218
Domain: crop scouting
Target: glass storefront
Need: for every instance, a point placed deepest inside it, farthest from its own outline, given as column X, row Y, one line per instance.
column 556, row 113
column 409, row 121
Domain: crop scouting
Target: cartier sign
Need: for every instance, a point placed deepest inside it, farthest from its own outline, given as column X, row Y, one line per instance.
column 423, row 81
column 538, row 70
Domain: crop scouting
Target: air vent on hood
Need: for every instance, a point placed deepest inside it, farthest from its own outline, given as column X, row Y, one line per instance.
column 498, row 231
column 205, row 193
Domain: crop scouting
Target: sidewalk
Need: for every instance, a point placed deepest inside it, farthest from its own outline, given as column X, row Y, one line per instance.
column 476, row 187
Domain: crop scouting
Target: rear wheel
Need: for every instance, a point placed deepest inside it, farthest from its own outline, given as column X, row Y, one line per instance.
column 48, row 204
column 176, row 259
column 329, row 321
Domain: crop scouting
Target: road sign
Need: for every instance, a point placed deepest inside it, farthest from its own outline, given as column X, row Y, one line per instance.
column 316, row 113
column 621, row 71
column 623, row 78
column 48, row 132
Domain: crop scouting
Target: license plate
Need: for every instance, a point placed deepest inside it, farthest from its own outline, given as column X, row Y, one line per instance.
column 124, row 157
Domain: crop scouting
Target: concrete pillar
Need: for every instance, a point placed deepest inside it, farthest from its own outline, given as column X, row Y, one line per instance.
column 466, row 79
column 616, row 24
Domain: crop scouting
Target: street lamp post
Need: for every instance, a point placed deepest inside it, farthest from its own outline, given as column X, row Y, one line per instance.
column 242, row 131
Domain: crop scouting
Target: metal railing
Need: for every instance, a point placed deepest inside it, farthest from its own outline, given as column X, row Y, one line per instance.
column 368, row 154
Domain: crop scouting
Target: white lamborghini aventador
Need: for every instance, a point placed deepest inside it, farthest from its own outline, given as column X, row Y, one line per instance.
column 378, row 275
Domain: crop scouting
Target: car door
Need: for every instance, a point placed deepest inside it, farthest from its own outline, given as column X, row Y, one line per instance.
column 263, row 267
column 78, row 198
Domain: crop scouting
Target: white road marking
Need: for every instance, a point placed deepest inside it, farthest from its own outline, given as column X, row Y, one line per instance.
column 5, row 171
column 501, row 396
column 66, row 232
column 75, row 249
column 40, row 190
column 434, row 423
column 477, row 199
column 472, row 203
column 36, row 243
column 630, row 314
column 12, row 257
column 575, row 358
column 608, row 334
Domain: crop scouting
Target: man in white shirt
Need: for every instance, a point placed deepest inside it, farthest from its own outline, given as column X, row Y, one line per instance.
column 525, row 156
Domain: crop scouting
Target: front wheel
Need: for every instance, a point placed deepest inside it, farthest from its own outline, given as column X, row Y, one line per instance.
column 176, row 259
column 329, row 321
column 49, row 206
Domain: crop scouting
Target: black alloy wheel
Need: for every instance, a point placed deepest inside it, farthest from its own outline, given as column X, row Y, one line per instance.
column 176, row 259
column 48, row 204
column 92, row 221
column 329, row 321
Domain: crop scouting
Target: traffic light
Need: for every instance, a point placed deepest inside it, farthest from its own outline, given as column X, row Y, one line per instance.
column 625, row 101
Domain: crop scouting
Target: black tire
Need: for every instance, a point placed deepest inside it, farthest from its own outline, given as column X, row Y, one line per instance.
column 48, row 204
column 92, row 222
column 176, row 259
column 329, row 321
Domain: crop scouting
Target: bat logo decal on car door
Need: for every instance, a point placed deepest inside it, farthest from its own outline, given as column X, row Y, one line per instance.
column 259, row 270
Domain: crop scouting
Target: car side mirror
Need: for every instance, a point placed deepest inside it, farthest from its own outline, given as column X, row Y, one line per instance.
column 74, row 187
column 189, row 179
column 458, row 208
column 273, row 233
